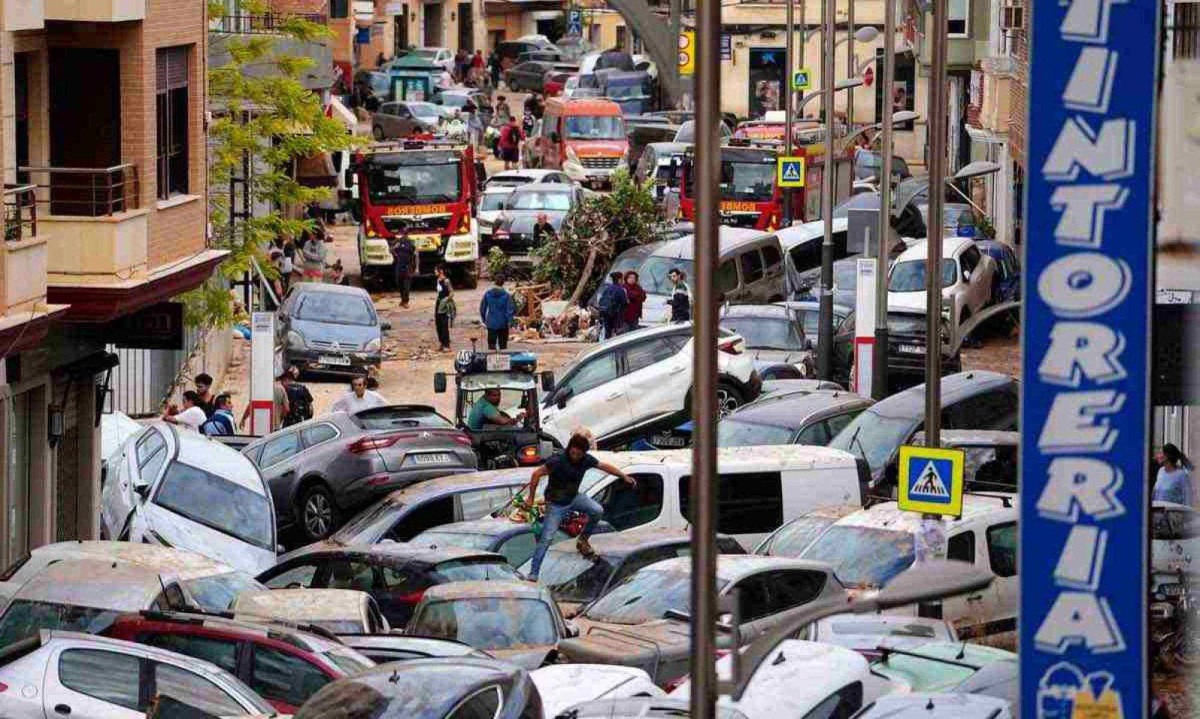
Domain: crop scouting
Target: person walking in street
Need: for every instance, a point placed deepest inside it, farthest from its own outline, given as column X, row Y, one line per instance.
column 496, row 311
column 565, row 472
column 444, row 310
column 680, row 301
column 191, row 416
column 404, row 265
column 494, row 69
column 477, row 67
column 1174, row 481
column 206, row 398
column 358, row 398
column 635, row 297
column 510, row 144
column 221, row 423
column 612, row 306
column 503, row 112
column 313, row 250
column 543, row 231
column 300, row 400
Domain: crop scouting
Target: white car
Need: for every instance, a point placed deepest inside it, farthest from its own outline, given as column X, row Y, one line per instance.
column 565, row 685
column 641, row 381
column 937, row 706
column 500, row 186
column 89, row 677
column 967, row 276
column 870, row 547
column 341, row 611
column 178, row 488
column 440, row 56
column 207, row 584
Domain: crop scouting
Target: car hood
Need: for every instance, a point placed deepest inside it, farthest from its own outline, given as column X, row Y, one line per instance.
column 349, row 336
column 598, row 148
column 528, row 658
column 183, row 533
column 764, row 358
column 522, row 222
column 642, row 646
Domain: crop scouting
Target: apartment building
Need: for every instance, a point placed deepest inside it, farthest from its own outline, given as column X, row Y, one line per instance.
column 102, row 151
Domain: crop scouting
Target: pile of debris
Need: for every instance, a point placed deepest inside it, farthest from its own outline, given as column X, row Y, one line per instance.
column 543, row 314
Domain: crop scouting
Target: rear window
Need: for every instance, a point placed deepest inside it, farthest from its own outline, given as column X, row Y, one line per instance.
column 25, row 618
column 467, row 570
column 400, row 418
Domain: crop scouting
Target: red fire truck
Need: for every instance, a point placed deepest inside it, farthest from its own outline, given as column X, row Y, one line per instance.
column 426, row 189
column 750, row 194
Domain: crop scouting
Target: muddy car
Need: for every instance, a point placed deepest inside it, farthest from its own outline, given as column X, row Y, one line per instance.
column 565, row 685
column 793, row 537
column 394, row 574
column 868, row 634
column 644, row 622
column 334, row 610
column 383, row 648
column 430, row 689
column 513, row 621
column 515, row 541
column 576, row 580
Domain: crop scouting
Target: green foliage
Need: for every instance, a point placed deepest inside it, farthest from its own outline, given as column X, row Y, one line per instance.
column 986, row 229
column 606, row 224
column 261, row 110
column 498, row 263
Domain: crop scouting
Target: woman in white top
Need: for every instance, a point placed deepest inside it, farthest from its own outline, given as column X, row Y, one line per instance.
column 191, row 416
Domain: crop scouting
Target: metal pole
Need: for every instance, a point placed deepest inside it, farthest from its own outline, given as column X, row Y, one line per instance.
column 704, row 361
column 825, row 329
column 887, row 87
column 933, row 259
column 850, row 63
column 789, row 62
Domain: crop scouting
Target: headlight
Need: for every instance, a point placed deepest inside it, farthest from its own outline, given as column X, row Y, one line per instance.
column 374, row 345
column 295, row 340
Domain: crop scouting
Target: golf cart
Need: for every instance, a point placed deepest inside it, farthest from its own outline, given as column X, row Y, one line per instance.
column 515, row 375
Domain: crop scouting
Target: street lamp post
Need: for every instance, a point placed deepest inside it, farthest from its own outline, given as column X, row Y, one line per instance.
column 850, row 61
column 789, row 62
column 887, row 87
column 825, row 330
column 933, row 256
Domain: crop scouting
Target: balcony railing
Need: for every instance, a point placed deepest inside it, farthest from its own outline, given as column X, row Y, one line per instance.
column 20, row 212
column 268, row 24
column 86, row 191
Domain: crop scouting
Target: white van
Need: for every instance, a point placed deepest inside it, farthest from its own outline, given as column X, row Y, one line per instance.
column 758, row 488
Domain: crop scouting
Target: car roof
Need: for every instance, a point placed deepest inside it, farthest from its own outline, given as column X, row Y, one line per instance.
column 649, row 707
column 296, row 637
column 532, row 174
column 629, row 337
column 935, row 706
column 756, row 310
column 811, row 671
column 951, row 246
column 415, row 688
column 888, row 515
column 955, row 387
column 585, row 106
column 202, row 452
column 620, row 544
column 485, row 526
column 331, row 288
column 455, row 483
column 491, row 589
column 974, row 438
column 810, row 305
column 397, row 550
column 780, row 457
column 732, row 567
column 301, row 604
column 730, row 238
column 792, row 410
column 789, row 237
column 96, row 583
column 669, row 148
column 180, row 563
column 201, row 666
column 544, row 187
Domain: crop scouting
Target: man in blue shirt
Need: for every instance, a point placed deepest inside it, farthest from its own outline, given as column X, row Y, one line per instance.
column 486, row 410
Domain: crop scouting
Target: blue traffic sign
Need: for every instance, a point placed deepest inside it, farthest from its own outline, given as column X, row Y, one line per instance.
column 790, row 172
column 1085, row 397
column 931, row 480
column 575, row 22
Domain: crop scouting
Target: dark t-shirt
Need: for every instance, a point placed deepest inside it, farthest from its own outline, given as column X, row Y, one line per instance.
column 566, row 476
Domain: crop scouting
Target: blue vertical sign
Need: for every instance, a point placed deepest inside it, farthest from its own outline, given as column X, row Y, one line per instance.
column 1085, row 350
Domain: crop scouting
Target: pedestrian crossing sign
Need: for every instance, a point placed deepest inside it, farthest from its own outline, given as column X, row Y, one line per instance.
column 790, row 171
column 801, row 79
column 931, row 480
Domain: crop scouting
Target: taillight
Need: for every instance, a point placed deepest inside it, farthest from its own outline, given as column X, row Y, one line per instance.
column 462, row 439
column 529, row 455
column 377, row 479
column 734, row 346
column 412, row 598
column 3, row 687
column 366, row 444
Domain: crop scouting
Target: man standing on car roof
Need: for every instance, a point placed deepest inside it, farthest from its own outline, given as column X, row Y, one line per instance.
column 566, row 470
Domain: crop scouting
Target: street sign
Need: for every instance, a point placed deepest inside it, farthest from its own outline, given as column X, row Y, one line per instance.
column 687, row 53
column 575, row 22
column 263, row 371
column 790, row 171
column 931, row 480
column 1085, row 359
column 864, row 321
column 801, row 79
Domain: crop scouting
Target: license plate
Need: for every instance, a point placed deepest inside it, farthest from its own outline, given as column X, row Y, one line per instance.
column 438, row 458
column 425, row 243
column 913, row 349
column 668, row 440
column 499, row 363
column 334, row 360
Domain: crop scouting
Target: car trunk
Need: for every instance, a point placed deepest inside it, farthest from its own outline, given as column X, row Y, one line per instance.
column 424, row 448
column 659, row 648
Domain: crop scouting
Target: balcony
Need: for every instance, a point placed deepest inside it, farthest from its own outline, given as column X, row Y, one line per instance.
column 267, row 24
column 23, row 15
column 96, row 10
column 997, row 93
column 97, row 232
column 24, row 251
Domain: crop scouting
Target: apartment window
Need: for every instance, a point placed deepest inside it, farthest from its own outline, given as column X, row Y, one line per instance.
column 172, row 116
column 339, row 8
column 959, row 17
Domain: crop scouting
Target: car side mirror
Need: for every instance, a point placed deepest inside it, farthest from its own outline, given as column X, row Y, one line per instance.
column 967, row 275
column 439, row 382
column 547, row 381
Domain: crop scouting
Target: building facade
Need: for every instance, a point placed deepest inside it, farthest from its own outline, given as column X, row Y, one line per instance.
column 102, row 109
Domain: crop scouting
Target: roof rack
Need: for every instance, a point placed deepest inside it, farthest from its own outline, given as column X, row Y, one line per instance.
column 1004, row 498
column 886, row 652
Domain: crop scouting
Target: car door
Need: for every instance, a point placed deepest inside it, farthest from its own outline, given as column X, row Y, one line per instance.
column 283, row 679
column 593, row 395
column 1001, row 598
column 657, row 377
column 974, row 272
column 278, row 462
column 965, row 612
column 141, row 466
column 176, row 687
column 404, row 121
column 384, row 119
column 87, row 683
column 627, row 507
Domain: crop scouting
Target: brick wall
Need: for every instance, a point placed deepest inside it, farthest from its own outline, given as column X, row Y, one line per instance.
column 1019, row 105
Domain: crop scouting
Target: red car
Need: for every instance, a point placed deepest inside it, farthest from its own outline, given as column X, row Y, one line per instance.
column 285, row 666
column 554, row 82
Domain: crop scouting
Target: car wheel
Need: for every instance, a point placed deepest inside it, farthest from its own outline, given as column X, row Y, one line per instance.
column 377, row 132
column 318, row 513
column 729, row 398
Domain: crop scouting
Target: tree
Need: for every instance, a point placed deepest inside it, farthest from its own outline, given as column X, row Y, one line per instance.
column 594, row 232
column 263, row 113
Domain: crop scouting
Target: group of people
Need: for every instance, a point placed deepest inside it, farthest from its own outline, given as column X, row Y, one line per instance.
column 623, row 297
column 211, row 413
column 304, row 259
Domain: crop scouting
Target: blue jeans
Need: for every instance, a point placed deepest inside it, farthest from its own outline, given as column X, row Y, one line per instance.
column 555, row 514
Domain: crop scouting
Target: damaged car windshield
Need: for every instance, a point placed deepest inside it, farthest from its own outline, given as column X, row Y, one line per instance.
column 488, row 622
column 645, row 597
column 572, row 577
column 25, row 618
column 218, row 503
column 863, row 556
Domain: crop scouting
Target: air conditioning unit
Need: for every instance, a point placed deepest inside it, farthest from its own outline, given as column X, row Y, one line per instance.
column 1012, row 17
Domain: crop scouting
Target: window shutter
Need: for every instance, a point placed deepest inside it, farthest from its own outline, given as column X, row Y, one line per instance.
column 172, row 68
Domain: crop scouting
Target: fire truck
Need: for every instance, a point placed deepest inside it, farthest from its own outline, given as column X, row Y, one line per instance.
column 425, row 189
column 750, row 194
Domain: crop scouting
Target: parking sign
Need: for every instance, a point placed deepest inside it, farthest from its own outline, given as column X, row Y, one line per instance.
column 931, row 480
column 1085, row 358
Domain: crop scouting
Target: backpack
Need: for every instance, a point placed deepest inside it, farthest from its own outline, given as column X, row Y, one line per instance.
column 299, row 405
